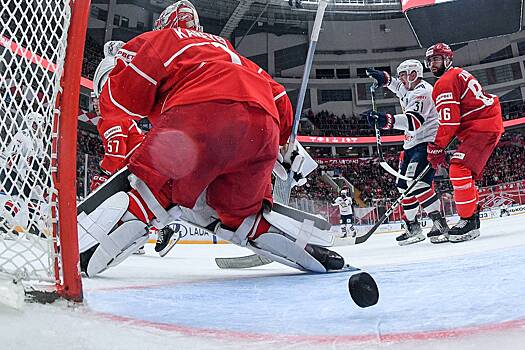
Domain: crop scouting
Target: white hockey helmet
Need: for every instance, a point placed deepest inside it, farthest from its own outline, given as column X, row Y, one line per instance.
column 181, row 14
column 410, row 66
column 101, row 74
column 34, row 120
column 344, row 192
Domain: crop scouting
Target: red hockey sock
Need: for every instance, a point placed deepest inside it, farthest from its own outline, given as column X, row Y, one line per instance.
column 410, row 207
column 465, row 192
column 138, row 207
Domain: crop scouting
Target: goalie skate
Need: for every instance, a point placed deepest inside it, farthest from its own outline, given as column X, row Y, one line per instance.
column 166, row 240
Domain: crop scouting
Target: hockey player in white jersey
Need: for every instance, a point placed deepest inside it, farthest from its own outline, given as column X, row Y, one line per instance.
column 346, row 212
column 419, row 120
column 20, row 191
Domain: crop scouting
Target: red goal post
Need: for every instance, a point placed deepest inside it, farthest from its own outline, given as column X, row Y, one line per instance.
column 41, row 52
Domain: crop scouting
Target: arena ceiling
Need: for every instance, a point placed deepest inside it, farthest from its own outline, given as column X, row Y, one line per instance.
column 234, row 15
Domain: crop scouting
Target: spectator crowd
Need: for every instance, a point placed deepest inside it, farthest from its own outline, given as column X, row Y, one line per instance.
column 326, row 123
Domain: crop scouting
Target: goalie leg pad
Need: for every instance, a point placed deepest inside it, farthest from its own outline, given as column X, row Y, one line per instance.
column 118, row 182
column 290, row 221
column 125, row 240
column 282, row 246
column 94, row 227
column 103, row 242
column 282, row 249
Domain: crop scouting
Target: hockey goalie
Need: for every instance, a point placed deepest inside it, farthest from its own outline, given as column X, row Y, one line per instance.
column 217, row 123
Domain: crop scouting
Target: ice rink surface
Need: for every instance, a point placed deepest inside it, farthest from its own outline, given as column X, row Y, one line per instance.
column 469, row 295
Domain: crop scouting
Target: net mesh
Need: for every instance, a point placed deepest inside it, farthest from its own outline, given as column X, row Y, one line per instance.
column 32, row 54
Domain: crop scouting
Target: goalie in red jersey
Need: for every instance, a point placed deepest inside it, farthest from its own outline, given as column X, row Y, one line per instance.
column 217, row 123
column 474, row 117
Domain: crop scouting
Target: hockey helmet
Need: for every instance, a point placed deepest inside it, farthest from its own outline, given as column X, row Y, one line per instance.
column 101, row 74
column 439, row 49
column 344, row 192
column 408, row 67
column 181, row 14
column 34, row 120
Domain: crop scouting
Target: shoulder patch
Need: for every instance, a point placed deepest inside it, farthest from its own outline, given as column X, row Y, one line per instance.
column 444, row 96
column 112, row 131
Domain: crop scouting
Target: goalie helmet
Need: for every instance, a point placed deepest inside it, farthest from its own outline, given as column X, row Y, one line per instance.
column 101, row 74
column 181, row 14
column 439, row 49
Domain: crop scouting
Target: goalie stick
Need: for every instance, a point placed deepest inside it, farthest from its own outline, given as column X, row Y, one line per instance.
column 382, row 161
column 282, row 188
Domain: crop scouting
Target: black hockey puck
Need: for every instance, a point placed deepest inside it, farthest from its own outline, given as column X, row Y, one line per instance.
column 363, row 289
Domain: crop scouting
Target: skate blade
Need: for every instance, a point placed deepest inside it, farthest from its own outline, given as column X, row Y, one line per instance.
column 168, row 248
column 412, row 240
column 439, row 239
column 463, row 238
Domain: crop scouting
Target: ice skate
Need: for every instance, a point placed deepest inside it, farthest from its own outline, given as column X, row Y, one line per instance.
column 344, row 233
column 412, row 234
column 465, row 230
column 329, row 259
column 439, row 231
column 165, row 241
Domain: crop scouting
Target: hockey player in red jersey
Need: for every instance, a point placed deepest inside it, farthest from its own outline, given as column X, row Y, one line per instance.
column 471, row 115
column 217, row 123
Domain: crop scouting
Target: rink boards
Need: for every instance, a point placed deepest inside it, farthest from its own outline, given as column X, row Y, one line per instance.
column 195, row 235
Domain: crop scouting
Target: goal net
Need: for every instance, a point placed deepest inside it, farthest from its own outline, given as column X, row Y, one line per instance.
column 41, row 46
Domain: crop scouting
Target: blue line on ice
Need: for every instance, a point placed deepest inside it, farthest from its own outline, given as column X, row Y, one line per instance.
column 452, row 293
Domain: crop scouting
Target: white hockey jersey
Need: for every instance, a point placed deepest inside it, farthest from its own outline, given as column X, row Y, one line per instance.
column 20, row 151
column 345, row 205
column 420, row 118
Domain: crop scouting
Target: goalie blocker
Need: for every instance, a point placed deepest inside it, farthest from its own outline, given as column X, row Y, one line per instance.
column 109, row 233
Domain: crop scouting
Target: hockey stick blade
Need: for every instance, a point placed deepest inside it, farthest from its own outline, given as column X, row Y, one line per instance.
column 242, row 262
column 392, row 171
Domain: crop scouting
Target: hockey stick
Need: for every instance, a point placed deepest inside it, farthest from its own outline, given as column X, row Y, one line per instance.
column 242, row 262
column 382, row 161
column 390, row 210
column 282, row 188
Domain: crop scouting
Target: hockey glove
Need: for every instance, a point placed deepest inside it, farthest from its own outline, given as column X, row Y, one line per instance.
column 383, row 120
column 96, row 181
column 382, row 78
column 436, row 155
column 299, row 163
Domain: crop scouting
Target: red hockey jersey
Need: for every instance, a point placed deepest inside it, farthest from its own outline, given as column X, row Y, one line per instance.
column 464, row 107
column 159, row 70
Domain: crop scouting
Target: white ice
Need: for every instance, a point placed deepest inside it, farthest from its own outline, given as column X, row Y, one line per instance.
column 468, row 295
